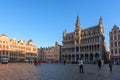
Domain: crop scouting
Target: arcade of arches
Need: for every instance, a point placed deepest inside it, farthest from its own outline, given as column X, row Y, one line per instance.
column 86, row 57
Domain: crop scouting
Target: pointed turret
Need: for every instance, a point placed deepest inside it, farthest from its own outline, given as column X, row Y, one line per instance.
column 100, row 22
column 77, row 24
column 64, row 33
column 100, row 25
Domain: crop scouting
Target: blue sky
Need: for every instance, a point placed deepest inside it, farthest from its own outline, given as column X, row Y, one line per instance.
column 44, row 21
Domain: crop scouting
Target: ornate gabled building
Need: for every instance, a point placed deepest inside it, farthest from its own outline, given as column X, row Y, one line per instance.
column 115, row 43
column 50, row 54
column 87, row 44
column 17, row 50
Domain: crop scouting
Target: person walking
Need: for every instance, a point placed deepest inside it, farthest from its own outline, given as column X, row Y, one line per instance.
column 110, row 65
column 80, row 63
column 99, row 64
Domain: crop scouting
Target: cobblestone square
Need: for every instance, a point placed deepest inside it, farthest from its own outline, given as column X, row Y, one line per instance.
column 54, row 71
column 71, row 72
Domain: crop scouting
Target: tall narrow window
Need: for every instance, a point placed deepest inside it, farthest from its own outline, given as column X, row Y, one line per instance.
column 115, row 44
column 111, row 44
column 119, row 43
column 111, row 37
column 115, row 31
column 77, row 49
column 119, row 37
column 119, row 50
column 112, row 51
column 115, row 37
column 115, row 51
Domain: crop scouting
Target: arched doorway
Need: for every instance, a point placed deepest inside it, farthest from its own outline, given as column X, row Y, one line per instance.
column 69, row 57
column 86, row 57
column 82, row 56
column 91, row 57
column 73, row 57
column 65, row 57
column 77, row 57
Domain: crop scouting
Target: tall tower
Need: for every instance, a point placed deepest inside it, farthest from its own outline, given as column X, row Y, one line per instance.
column 100, row 25
column 77, row 31
column 101, row 39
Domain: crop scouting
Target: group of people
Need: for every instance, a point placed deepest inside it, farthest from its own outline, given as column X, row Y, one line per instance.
column 80, row 63
column 36, row 62
column 109, row 63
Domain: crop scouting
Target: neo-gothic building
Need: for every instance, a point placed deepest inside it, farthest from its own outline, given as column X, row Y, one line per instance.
column 115, row 43
column 87, row 44
column 17, row 50
column 50, row 53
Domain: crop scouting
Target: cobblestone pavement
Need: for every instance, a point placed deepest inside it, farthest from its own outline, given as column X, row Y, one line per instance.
column 71, row 72
column 48, row 71
column 19, row 71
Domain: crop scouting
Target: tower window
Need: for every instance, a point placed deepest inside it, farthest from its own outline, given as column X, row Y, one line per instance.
column 115, row 37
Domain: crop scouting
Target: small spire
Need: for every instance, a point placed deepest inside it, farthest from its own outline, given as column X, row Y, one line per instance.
column 77, row 22
column 100, row 21
column 115, row 25
column 64, row 32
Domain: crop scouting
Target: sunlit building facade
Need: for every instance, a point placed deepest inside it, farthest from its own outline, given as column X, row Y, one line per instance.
column 50, row 54
column 87, row 44
column 115, row 43
column 17, row 50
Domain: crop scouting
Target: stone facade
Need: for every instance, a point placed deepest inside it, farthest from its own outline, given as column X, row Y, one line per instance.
column 115, row 43
column 87, row 44
column 50, row 54
column 17, row 50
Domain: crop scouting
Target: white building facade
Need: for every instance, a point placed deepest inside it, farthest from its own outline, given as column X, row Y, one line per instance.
column 115, row 43
column 17, row 50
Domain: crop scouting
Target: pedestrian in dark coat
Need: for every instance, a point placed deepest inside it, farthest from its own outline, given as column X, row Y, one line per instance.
column 99, row 64
column 110, row 65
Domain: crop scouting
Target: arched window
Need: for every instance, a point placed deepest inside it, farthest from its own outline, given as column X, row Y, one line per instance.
column 111, row 51
column 111, row 37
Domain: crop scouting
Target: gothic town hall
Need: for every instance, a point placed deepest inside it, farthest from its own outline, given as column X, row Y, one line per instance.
column 87, row 44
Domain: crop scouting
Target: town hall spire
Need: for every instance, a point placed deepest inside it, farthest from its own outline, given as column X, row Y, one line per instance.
column 77, row 24
column 100, row 25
